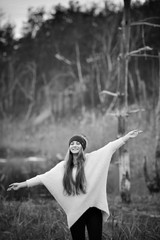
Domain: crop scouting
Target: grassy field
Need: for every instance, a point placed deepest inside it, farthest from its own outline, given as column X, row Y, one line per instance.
column 32, row 217
column 32, row 220
column 45, row 220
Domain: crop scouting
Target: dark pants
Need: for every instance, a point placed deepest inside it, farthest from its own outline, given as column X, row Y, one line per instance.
column 92, row 219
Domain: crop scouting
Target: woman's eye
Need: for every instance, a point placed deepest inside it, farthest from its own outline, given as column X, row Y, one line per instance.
column 77, row 143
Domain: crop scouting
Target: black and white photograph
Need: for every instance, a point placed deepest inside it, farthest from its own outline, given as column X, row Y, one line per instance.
column 79, row 119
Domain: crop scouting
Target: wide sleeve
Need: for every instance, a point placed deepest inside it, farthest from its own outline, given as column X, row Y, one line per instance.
column 111, row 147
column 53, row 179
column 104, row 154
column 115, row 145
column 49, row 179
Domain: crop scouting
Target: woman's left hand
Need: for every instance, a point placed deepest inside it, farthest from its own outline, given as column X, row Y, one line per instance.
column 134, row 133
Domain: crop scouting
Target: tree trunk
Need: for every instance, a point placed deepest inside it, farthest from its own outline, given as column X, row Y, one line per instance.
column 80, row 76
column 124, row 162
column 157, row 153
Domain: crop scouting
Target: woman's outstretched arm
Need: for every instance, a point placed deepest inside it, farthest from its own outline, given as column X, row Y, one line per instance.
column 28, row 183
column 116, row 144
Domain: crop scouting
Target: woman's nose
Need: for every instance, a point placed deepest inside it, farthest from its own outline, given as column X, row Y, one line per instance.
column 75, row 145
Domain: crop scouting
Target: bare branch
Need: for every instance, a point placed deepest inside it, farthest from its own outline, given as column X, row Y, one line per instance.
column 140, row 49
column 145, row 23
column 109, row 93
column 136, row 110
column 63, row 59
column 124, row 113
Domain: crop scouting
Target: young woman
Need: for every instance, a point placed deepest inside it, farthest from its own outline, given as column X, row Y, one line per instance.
column 79, row 185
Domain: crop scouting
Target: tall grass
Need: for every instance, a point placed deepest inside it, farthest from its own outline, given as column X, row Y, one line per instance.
column 45, row 220
column 133, row 227
column 32, row 220
column 136, row 221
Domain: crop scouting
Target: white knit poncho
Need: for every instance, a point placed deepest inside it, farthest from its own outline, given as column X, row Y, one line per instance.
column 96, row 172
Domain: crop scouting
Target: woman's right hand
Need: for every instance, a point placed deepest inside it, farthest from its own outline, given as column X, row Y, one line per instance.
column 131, row 134
column 16, row 186
column 134, row 133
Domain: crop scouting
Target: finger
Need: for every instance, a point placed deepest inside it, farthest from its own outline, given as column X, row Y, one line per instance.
column 137, row 131
column 12, row 184
column 134, row 131
column 9, row 189
column 140, row 131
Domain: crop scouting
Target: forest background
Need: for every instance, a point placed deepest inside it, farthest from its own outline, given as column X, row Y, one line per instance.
column 52, row 83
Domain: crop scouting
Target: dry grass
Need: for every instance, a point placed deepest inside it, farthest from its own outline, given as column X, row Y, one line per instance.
column 45, row 220
column 32, row 220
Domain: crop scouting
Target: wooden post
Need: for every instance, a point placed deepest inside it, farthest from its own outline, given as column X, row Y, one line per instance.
column 124, row 163
column 157, row 153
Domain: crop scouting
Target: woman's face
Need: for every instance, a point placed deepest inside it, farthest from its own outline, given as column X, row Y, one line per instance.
column 75, row 147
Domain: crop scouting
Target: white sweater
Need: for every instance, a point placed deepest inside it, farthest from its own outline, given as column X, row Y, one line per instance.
column 96, row 172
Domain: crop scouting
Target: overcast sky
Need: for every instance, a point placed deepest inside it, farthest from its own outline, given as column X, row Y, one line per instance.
column 16, row 10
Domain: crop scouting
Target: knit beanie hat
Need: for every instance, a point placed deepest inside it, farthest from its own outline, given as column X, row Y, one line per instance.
column 79, row 139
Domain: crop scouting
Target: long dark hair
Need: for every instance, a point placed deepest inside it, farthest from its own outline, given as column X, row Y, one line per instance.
column 78, row 186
